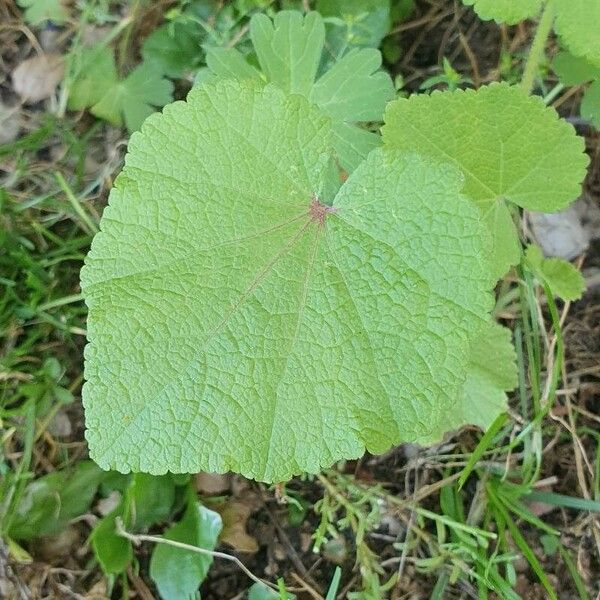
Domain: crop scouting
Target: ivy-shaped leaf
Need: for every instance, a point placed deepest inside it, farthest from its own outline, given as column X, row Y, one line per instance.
column 492, row 372
column 128, row 100
column 241, row 320
column 510, row 146
column 289, row 51
column 505, row 11
column 561, row 276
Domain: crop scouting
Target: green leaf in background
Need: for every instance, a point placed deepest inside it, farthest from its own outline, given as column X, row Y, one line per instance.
column 146, row 501
column 492, row 372
column 178, row 573
column 590, row 104
column 174, row 49
column 577, row 23
column 510, row 146
column 37, row 12
column 354, row 24
column 561, row 276
column 574, row 70
column 51, row 501
column 401, row 10
column 127, row 101
column 289, row 344
column 289, row 50
column 505, row 11
column 134, row 98
column 113, row 552
column 150, row 499
column 95, row 72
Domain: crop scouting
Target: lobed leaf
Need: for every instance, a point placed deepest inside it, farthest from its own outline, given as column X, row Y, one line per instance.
column 128, row 101
column 289, row 50
column 240, row 320
column 510, row 146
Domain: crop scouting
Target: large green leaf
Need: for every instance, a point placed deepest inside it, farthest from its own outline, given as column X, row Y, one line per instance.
column 176, row 572
column 505, row 11
column 354, row 90
column 510, row 146
column 236, row 322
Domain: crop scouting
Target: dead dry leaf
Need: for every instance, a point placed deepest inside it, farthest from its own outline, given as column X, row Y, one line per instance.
column 235, row 514
column 36, row 78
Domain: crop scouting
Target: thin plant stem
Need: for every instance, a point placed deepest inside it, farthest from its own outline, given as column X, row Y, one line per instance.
column 136, row 539
column 538, row 46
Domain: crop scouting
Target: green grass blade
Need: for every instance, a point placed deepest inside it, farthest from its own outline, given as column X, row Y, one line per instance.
column 522, row 543
column 564, row 501
column 335, row 584
column 579, row 585
column 483, row 445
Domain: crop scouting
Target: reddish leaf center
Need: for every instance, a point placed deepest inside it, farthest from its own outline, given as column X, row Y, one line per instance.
column 318, row 211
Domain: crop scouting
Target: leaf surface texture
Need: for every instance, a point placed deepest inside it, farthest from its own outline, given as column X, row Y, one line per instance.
column 238, row 322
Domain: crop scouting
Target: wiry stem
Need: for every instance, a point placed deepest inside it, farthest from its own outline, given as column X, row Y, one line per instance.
column 136, row 539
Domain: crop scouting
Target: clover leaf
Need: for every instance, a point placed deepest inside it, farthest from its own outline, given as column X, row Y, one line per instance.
column 240, row 319
column 289, row 51
column 510, row 146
